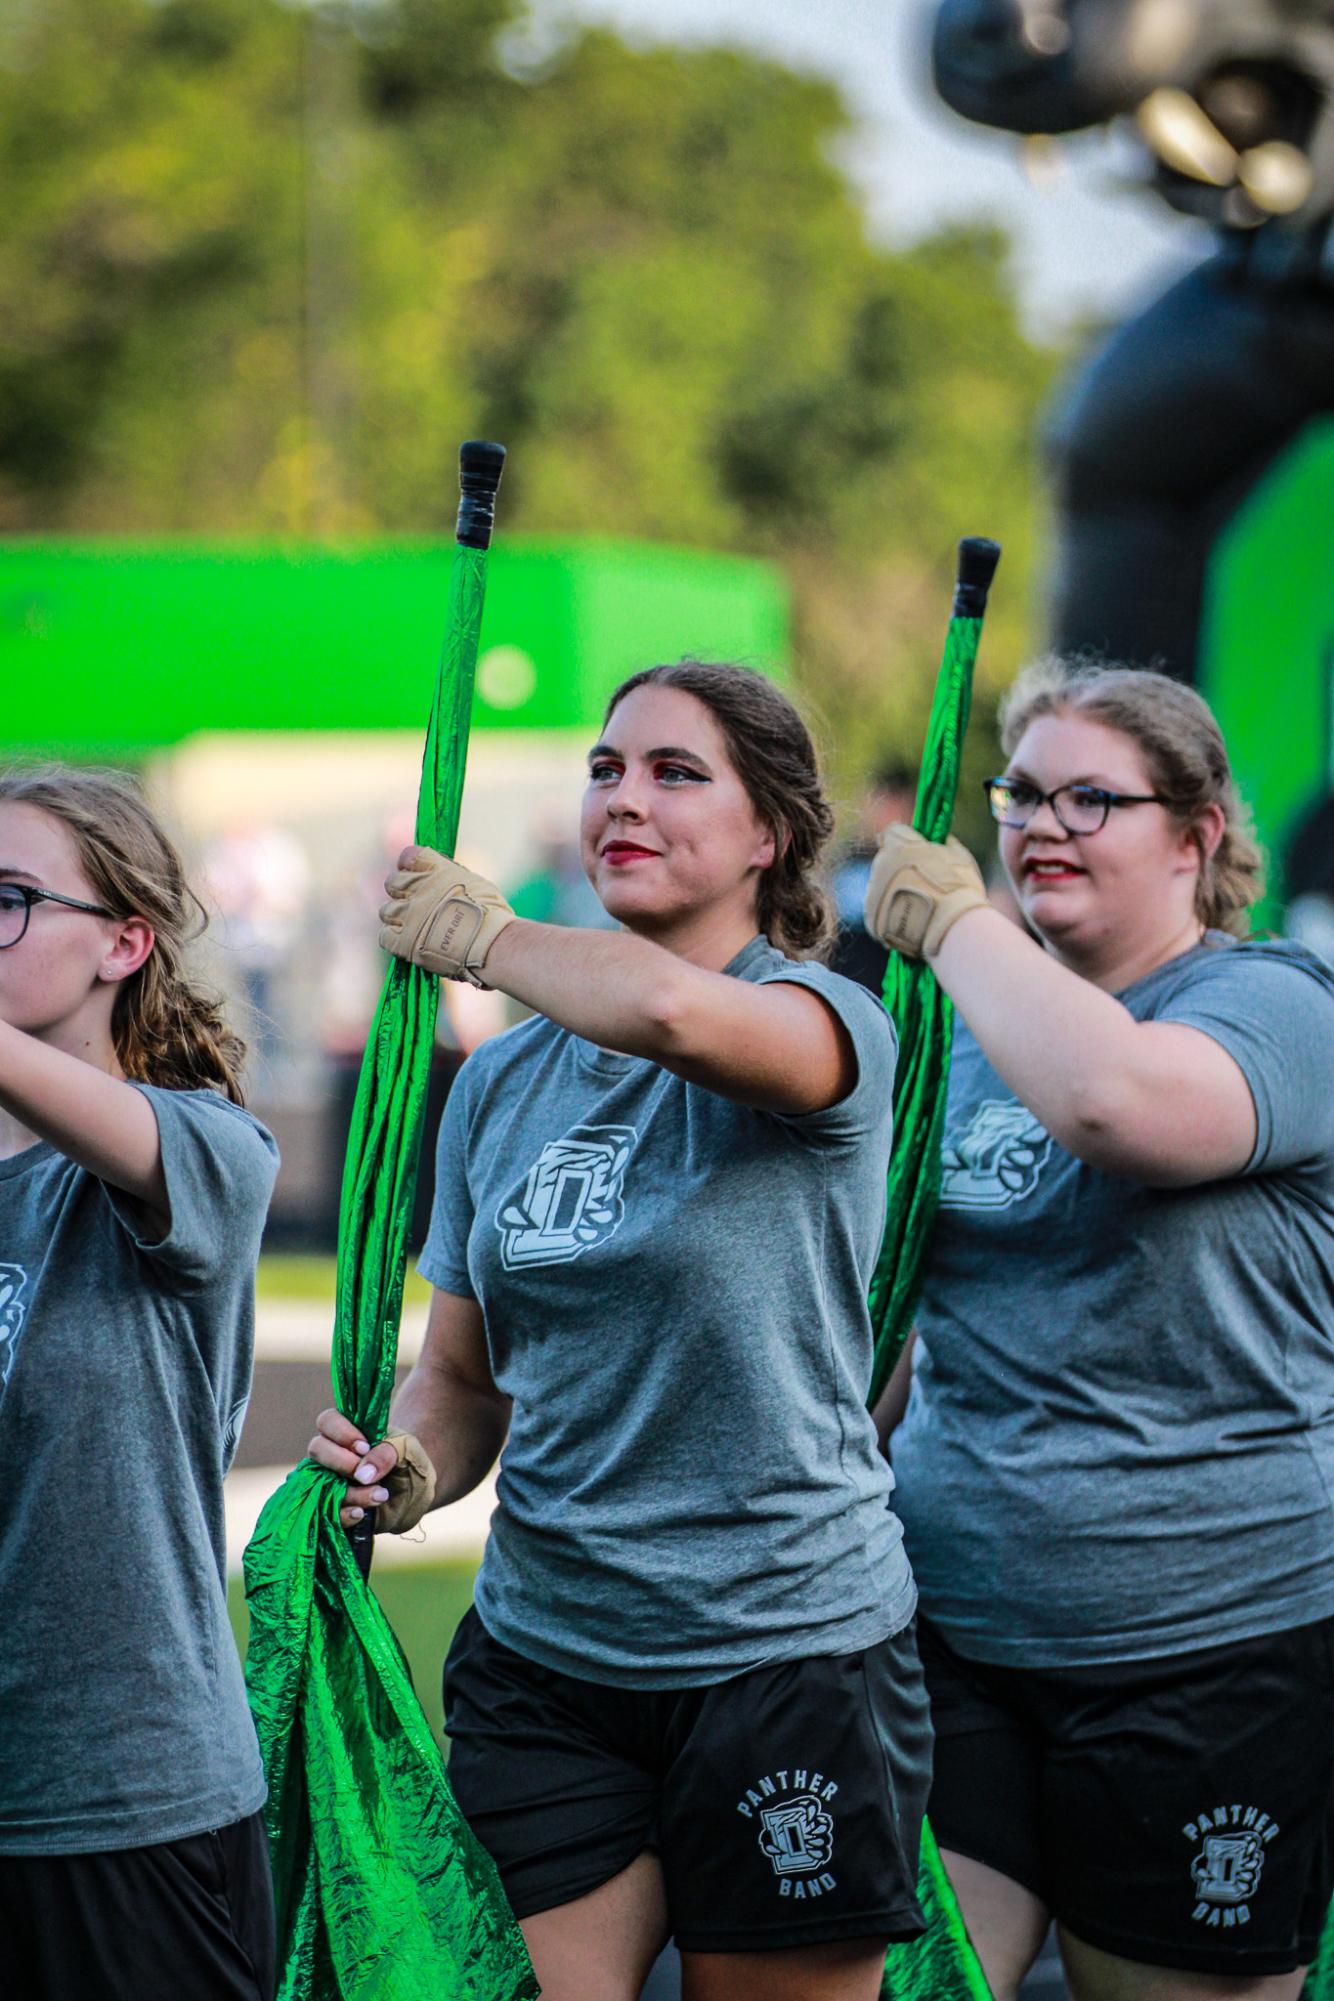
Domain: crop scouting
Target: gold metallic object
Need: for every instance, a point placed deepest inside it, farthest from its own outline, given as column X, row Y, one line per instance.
column 1277, row 177
column 1185, row 138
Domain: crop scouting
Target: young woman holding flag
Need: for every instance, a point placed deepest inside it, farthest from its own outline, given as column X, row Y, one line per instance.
column 133, row 1187
column 687, row 1700
column 1116, row 1466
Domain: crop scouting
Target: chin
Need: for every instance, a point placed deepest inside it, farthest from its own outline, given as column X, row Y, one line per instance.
column 619, row 901
column 1050, row 915
column 30, row 1020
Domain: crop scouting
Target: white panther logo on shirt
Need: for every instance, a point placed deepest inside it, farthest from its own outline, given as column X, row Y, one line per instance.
column 13, row 1282
column 999, row 1160
column 570, row 1200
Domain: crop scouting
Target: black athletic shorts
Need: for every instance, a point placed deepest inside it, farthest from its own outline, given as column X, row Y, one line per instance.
column 1179, row 1812
column 188, row 1920
column 786, row 1804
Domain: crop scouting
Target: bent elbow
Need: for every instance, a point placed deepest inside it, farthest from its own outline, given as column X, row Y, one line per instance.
column 1091, row 1113
column 670, row 1024
column 1110, row 1130
column 1096, row 1128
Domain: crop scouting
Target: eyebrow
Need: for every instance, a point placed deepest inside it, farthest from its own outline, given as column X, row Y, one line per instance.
column 17, row 875
column 1100, row 784
column 663, row 750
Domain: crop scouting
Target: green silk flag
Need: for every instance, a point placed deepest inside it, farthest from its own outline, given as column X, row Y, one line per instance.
column 941, row 1965
column 921, row 1012
column 1319, row 1982
column 382, row 1892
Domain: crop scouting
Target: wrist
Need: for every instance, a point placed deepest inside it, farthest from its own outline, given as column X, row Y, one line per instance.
column 507, row 955
column 962, row 934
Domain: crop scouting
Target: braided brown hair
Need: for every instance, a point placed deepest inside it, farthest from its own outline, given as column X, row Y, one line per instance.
column 772, row 753
column 1184, row 754
column 165, row 1029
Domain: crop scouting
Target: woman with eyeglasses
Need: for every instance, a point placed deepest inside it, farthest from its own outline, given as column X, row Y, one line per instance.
column 133, row 1188
column 1116, row 1464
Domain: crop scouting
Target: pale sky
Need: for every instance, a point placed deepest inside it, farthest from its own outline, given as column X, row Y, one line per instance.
column 1087, row 243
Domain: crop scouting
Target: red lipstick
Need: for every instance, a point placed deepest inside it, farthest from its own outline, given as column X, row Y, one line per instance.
column 620, row 852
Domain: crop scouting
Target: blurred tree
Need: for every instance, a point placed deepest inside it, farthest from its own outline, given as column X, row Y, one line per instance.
column 261, row 266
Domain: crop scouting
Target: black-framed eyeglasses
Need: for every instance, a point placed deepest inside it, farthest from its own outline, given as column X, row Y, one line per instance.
column 17, row 900
column 1081, row 809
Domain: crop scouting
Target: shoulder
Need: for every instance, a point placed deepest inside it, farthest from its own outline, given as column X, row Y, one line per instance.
column 219, row 1165
column 212, row 1120
column 867, row 1109
column 1246, row 971
column 856, row 1006
column 1269, row 1004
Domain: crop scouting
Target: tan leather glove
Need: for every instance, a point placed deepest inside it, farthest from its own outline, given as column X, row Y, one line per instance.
column 918, row 889
column 442, row 916
column 411, row 1485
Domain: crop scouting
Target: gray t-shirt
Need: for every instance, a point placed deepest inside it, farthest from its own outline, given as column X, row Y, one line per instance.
column 124, row 1372
column 1120, row 1438
column 675, row 1297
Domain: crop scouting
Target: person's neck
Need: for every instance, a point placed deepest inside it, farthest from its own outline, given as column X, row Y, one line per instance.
column 89, row 1043
column 709, row 939
column 1114, row 964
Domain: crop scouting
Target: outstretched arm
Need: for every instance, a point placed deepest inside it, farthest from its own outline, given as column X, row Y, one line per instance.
column 100, row 1122
column 1156, row 1101
column 778, row 1046
column 1153, row 1100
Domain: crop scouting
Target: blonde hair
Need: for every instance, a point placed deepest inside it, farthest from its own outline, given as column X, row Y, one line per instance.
column 165, row 1029
column 1184, row 754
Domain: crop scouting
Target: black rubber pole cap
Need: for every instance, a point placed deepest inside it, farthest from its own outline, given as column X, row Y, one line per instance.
column 973, row 577
column 978, row 557
column 480, row 465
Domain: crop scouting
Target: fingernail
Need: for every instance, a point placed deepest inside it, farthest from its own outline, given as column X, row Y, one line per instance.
column 368, row 1472
column 360, row 1445
column 378, row 1494
column 355, row 1514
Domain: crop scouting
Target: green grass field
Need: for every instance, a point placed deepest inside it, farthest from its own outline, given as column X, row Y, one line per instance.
column 282, row 1277
column 423, row 1604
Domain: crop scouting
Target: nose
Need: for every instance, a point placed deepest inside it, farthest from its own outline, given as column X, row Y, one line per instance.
column 625, row 799
column 1049, row 829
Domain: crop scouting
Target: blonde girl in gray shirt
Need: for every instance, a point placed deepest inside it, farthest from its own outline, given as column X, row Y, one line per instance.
column 1116, row 1467
column 133, row 1188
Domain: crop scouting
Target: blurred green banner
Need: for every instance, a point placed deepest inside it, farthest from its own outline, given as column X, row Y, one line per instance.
column 109, row 648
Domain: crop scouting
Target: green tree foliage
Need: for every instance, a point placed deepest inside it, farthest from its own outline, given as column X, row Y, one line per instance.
column 261, row 266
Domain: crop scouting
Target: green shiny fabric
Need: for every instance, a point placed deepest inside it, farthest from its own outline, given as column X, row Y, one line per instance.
column 1319, row 1984
column 382, row 1892
column 941, row 1965
column 925, row 1022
